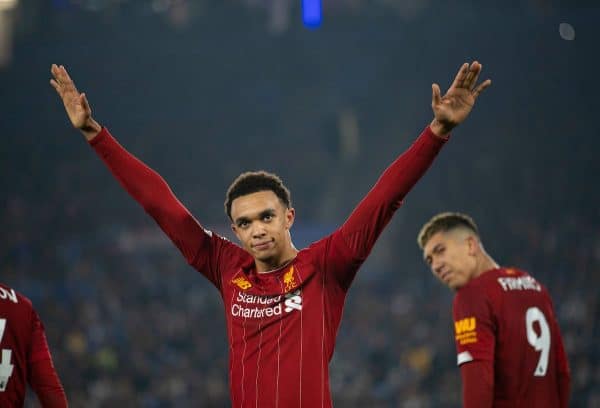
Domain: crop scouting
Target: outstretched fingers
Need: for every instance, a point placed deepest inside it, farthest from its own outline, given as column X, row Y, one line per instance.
column 54, row 70
column 61, row 78
column 436, row 95
column 64, row 85
column 476, row 71
column 57, row 74
column 472, row 75
column 482, row 87
column 467, row 78
column 65, row 75
column 460, row 76
column 56, row 86
column 85, row 104
column 55, row 81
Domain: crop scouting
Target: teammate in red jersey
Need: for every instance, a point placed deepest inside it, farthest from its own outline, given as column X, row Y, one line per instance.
column 283, row 306
column 25, row 357
column 508, row 342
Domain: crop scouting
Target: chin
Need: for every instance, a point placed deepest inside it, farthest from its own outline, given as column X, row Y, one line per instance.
column 264, row 257
column 456, row 285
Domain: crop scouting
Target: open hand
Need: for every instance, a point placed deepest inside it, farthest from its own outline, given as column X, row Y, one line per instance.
column 454, row 107
column 76, row 104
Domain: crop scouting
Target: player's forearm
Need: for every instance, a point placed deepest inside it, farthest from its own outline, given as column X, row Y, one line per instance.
column 401, row 176
column 564, row 389
column 55, row 398
column 372, row 214
column 477, row 384
column 152, row 192
column 46, row 385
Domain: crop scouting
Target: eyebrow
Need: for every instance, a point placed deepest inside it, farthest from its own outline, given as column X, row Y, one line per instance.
column 262, row 214
column 435, row 248
column 268, row 211
column 239, row 220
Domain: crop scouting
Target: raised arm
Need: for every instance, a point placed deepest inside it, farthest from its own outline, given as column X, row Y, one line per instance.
column 365, row 224
column 145, row 185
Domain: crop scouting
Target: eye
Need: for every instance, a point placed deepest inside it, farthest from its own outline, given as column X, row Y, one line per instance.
column 267, row 217
column 243, row 224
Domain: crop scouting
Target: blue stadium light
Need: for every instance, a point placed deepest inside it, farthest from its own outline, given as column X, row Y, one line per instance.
column 311, row 13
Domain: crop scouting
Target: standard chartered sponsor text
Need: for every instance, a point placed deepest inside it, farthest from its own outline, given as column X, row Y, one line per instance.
column 255, row 312
column 293, row 301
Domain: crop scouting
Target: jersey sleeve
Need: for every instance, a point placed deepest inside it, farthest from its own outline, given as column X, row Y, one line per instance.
column 45, row 383
column 353, row 242
column 564, row 372
column 474, row 326
column 39, row 346
column 561, row 355
column 42, row 376
column 152, row 192
column 477, row 384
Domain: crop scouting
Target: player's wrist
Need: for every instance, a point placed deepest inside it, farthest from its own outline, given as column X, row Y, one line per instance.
column 90, row 129
column 441, row 130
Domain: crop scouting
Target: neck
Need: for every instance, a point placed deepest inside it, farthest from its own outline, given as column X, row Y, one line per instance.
column 270, row 265
column 484, row 264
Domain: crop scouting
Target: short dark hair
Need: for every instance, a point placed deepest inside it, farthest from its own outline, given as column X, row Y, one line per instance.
column 253, row 182
column 444, row 222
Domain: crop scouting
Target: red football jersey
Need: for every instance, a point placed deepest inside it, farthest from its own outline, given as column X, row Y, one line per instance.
column 22, row 343
column 281, row 325
column 507, row 317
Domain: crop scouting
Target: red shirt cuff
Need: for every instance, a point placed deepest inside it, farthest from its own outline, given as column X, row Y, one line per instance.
column 438, row 139
column 104, row 133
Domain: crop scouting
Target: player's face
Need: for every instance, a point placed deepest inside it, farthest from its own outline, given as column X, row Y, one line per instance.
column 262, row 224
column 451, row 257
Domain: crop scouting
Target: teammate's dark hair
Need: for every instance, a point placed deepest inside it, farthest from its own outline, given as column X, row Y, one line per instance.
column 444, row 222
column 253, row 182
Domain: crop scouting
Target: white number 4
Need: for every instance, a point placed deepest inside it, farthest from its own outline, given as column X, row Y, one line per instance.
column 539, row 342
column 6, row 368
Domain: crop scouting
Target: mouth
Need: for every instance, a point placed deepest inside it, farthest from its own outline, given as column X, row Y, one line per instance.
column 445, row 276
column 261, row 246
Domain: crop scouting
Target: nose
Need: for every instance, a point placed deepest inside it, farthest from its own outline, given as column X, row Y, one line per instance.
column 437, row 266
column 258, row 231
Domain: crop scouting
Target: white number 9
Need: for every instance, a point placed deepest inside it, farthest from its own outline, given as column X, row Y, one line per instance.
column 539, row 342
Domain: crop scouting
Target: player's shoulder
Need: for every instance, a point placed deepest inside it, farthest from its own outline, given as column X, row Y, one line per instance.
column 234, row 253
column 515, row 279
column 486, row 285
column 319, row 246
column 497, row 279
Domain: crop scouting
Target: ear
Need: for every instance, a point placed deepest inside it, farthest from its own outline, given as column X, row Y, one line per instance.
column 290, row 216
column 235, row 231
column 472, row 245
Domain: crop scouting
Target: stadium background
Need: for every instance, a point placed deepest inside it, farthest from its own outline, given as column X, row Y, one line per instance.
column 202, row 90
